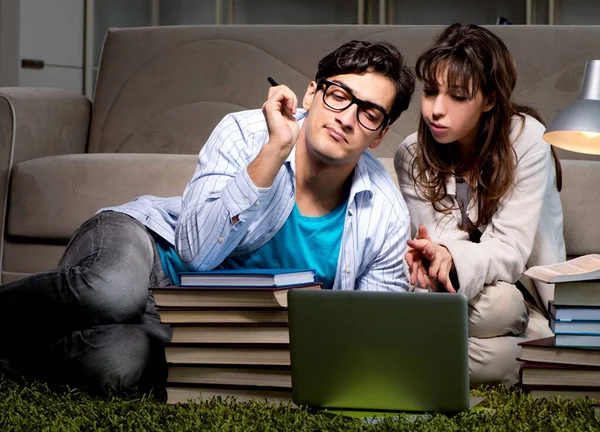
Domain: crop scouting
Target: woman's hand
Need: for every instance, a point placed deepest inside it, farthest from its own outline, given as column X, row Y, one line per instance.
column 440, row 262
column 418, row 266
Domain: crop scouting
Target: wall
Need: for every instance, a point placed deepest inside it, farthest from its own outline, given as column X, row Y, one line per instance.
column 9, row 43
column 578, row 12
column 52, row 29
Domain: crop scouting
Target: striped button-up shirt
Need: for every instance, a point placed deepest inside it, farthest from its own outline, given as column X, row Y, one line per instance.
column 200, row 225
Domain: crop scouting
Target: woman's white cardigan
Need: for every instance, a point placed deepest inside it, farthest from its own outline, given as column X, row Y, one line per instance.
column 526, row 230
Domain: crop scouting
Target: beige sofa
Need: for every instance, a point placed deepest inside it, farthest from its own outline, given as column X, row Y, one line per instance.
column 160, row 92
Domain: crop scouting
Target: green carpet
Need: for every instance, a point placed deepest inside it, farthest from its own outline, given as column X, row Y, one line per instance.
column 33, row 407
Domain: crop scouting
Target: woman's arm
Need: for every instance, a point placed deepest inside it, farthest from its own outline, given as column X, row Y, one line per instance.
column 435, row 225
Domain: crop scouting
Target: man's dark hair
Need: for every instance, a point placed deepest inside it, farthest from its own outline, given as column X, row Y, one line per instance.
column 358, row 57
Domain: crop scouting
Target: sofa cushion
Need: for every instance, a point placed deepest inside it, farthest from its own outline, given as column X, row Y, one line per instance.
column 51, row 196
column 23, row 258
column 581, row 206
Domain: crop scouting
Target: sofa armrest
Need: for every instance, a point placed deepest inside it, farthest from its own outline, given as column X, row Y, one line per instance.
column 36, row 122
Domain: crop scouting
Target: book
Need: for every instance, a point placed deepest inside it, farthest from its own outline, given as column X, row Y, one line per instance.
column 193, row 394
column 575, row 313
column 249, row 277
column 582, row 341
column 577, row 293
column 225, row 296
column 227, row 375
column 544, row 351
column 220, row 316
column 274, row 355
column 565, row 392
column 230, row 334
column 575, row 327
column 585, row 267
column 550, row 374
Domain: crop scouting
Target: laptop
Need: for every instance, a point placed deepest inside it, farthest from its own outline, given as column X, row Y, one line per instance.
column 379, row 352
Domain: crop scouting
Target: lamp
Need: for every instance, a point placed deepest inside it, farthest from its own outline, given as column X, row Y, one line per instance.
column 577, row 127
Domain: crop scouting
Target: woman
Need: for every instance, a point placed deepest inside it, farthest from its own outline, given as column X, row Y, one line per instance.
column 482, row 189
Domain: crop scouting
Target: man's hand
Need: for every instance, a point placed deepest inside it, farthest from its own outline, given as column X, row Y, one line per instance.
column 283, row 128
column 283, row 133
column 439, row 258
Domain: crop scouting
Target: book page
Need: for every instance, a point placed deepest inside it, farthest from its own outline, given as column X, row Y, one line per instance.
column 580, row 268
column 581, row 264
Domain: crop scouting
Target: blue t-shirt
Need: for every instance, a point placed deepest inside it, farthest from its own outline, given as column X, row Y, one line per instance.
column 302, row 242
column 170, row 260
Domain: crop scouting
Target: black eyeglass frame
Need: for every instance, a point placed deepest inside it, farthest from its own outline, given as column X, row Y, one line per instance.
column 359, row 102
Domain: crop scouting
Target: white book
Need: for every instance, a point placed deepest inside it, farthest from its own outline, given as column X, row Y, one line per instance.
column 580, row 341
column 574, row 313
column 585, row 267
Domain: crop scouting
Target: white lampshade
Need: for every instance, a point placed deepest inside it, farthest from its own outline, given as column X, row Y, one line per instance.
column 577, row 127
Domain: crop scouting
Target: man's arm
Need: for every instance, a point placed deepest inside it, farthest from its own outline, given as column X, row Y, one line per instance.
column 236, row 169
column 387, row 271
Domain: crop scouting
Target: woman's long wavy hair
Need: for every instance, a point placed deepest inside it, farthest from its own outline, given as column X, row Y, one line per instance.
column 476, row 59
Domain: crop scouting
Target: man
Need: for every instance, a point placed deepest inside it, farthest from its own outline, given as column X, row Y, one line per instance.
column 281, row 187
column 267, row 181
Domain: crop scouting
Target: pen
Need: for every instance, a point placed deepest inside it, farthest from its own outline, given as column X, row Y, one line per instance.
column 272, row 81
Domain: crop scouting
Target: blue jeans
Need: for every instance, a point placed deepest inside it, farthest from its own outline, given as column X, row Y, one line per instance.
column 93, row 320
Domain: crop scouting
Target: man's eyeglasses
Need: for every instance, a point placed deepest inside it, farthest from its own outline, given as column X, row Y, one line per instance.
column 338, row 98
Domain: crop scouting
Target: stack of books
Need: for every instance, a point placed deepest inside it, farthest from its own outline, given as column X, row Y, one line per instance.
column 568, row 363
column 230, row 334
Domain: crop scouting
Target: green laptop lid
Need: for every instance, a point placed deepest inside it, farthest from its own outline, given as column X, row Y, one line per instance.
column 384, row 351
